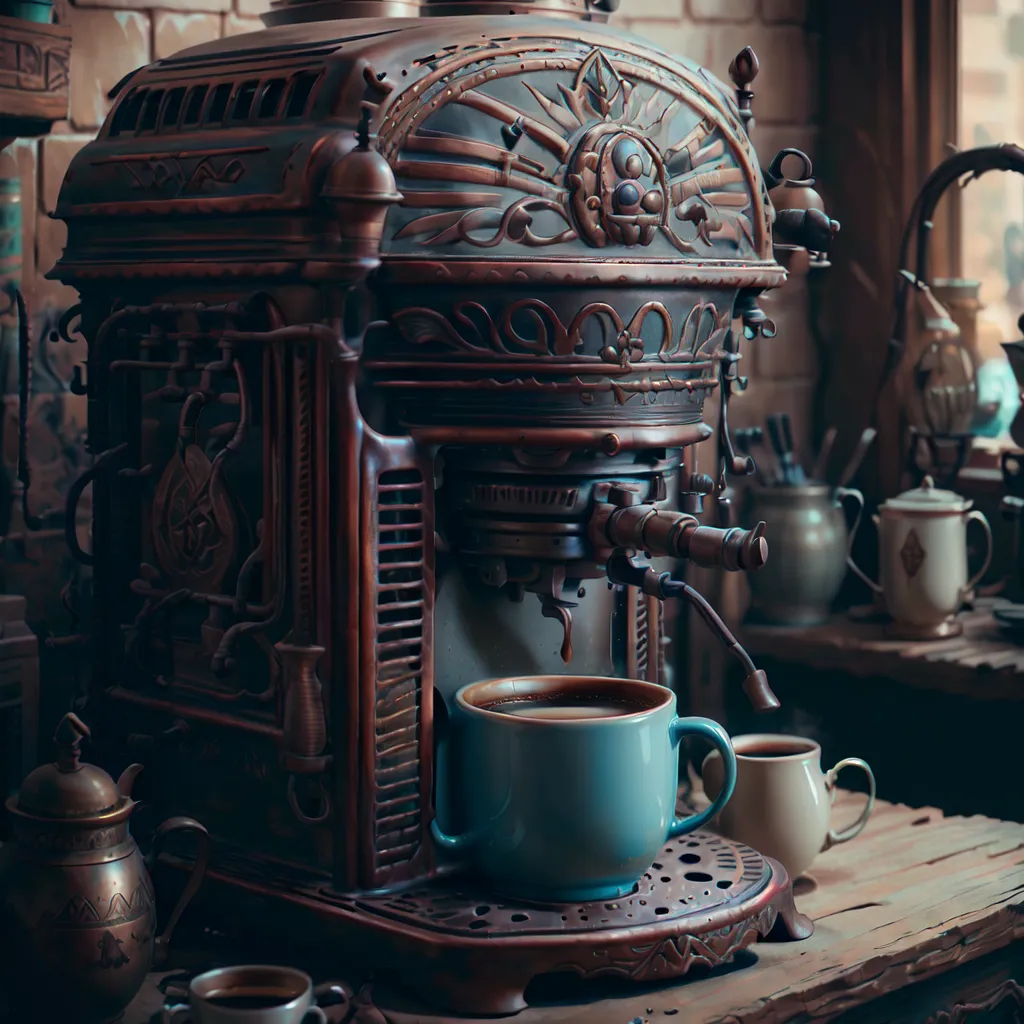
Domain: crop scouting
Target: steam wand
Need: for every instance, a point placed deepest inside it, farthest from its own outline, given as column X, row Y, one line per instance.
column 623, row 570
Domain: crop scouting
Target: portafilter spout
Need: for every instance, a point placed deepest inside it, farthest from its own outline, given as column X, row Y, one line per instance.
column 623, row 570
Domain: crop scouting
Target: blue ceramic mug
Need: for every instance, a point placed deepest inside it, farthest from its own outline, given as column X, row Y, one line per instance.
column 567, row 785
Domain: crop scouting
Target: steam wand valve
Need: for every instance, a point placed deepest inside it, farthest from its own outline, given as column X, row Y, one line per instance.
column 623, row 570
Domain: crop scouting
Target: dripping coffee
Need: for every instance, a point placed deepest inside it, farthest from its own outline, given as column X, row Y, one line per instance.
column 548, row 765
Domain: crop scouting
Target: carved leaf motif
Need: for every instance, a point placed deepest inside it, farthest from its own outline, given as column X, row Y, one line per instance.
column 422, row 326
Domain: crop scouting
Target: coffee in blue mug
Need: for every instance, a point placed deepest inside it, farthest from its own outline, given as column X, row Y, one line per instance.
column 567, row 784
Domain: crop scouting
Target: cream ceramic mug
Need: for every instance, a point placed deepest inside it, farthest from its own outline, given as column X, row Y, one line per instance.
column 782, row 804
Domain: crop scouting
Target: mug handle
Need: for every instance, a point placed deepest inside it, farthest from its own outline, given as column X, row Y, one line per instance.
column 975, row 516
column 314, row 1013
column 719, row 738
column 833, row 838
column 842, row 493
column 172, row 1013
column 195, row 879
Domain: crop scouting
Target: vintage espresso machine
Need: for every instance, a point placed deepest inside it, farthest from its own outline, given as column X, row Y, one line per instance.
column 400, row 321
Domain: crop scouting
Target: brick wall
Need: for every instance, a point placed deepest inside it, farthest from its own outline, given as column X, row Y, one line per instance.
column 783, row 370
column 113, row 37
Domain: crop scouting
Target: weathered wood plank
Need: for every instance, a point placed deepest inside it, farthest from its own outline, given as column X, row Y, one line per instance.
column 984, row 662
column 902, row 904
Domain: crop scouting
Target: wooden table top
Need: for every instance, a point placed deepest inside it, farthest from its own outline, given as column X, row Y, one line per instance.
column 915, row 895
column 985, row 662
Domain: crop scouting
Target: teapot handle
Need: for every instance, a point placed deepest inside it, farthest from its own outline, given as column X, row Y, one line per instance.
column 195, row 879
column 774, row 172
column 842, row 493
column 977, row 517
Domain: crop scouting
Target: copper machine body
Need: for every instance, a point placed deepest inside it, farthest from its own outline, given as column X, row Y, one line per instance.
column 399, row 324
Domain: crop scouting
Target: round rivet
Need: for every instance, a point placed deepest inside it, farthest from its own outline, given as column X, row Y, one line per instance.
column 653, row 201
column 628, row 195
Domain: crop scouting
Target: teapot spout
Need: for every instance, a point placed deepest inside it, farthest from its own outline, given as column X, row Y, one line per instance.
column 127, row 780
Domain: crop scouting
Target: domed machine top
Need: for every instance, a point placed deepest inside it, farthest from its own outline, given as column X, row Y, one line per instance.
column 396, row 314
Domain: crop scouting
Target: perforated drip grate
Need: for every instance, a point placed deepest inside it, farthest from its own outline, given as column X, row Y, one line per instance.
column 691, row 876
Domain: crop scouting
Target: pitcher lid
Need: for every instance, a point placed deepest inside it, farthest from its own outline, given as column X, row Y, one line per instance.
column 928, row 498
column 66, row 788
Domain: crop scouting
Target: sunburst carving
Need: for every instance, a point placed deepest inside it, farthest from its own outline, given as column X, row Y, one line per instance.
column 610, row 157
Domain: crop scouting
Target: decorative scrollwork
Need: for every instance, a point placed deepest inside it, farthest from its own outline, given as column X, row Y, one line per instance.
column 513, row 224
column 474, row 330
column 676, row 955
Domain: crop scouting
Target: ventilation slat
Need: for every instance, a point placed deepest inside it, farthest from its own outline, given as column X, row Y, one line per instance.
column 398, row 644
column 259, row 101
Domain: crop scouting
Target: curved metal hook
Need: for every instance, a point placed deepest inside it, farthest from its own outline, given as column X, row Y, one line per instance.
column 293, row 802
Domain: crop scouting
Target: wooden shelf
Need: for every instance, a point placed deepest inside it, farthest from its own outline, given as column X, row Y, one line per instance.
column 984, row 662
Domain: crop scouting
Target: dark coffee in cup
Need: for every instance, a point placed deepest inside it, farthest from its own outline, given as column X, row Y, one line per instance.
column 567, row 784
column 773, row 748
column 568, row 708
column 254, row 993
column 246, row 999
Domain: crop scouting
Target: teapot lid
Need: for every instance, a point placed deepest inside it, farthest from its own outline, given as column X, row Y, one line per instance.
column 928, row 498
column 66, row 788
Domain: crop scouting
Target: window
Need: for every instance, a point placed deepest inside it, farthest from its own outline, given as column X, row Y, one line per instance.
column 991, row 110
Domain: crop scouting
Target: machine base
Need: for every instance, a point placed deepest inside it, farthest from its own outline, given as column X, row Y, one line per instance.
column 457, row 946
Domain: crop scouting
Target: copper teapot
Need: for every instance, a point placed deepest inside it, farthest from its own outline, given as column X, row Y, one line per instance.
column 77, row 911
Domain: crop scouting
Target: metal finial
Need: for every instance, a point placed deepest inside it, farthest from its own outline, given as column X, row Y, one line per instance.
column 743, row 70
column 363, row 128
column 68, row 739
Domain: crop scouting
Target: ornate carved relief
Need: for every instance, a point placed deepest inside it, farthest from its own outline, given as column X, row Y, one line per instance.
column 588, row 145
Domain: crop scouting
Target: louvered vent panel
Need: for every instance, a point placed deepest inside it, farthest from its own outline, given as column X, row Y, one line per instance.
column 642, row 635
column 399, row 660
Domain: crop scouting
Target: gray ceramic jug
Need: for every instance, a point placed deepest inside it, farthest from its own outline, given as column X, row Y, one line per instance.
column 809, row 544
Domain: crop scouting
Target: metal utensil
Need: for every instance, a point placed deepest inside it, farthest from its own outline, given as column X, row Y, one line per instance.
column 792, row 467
column 820, row 467
column 865, row 442
column 777, row 432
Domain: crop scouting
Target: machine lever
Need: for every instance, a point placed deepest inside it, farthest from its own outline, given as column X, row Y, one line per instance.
column 622, row 570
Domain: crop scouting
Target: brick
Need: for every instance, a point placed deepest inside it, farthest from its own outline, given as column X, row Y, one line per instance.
column 108, row 45
column 55, row 155
column 174, row 31
column 722, row 10
column 974, row 82
column 768, row 139
column 793, row 12
column 680, row 39
column 254, row 8
column 236, row 26
column 784, row 90
column 792, row 352
column 660, row 10
column 191, row 6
